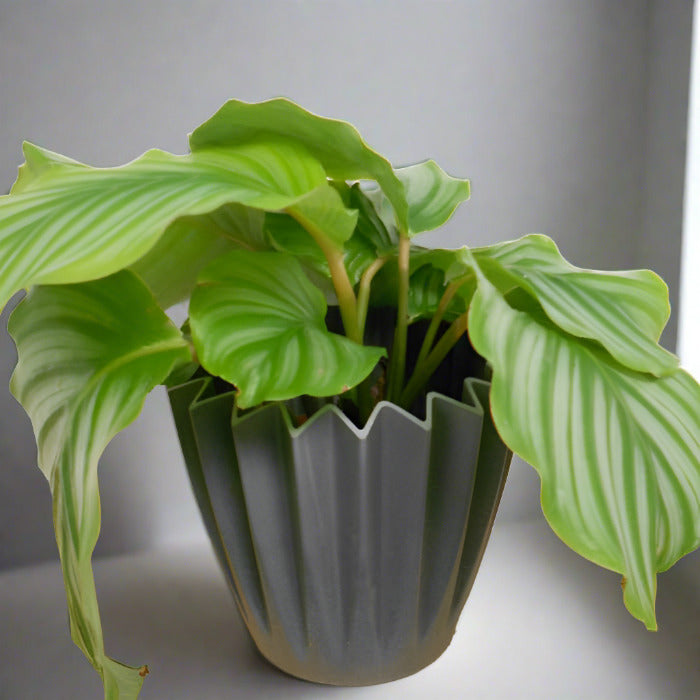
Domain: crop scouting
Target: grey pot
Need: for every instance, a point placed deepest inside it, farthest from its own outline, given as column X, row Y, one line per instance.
column 350, row 553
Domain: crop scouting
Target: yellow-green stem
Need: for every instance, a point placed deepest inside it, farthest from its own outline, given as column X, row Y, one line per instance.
column 397, row 366
column 347, row 302
column 425, row 369
column 364, row 291
column 437, row 319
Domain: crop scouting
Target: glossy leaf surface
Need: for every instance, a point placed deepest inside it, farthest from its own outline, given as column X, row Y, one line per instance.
column 171, row 267
column 431, row 270
column 336, row 144
column 618, row 451
column 323, row 214
column 432, row 196
column 66, row 222
column 258, row 322
column 624, row 311
column 88, row 355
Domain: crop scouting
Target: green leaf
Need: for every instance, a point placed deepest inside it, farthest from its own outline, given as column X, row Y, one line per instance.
column 369, row 238
column 432, row 269
column 66, row 222
column 336, row 144
column 88, row 355
column 624, row 311
column 171, row 267
column 323, row 214
column 258, row 322
column 287, row 235
column 617, row 450
column 431, row 193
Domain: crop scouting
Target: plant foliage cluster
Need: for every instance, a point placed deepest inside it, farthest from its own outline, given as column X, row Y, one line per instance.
column 276, row 213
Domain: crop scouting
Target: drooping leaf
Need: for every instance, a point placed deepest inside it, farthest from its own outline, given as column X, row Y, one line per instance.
column 431, row 193
column 624, row 311
column 88, row 355
column 336, row 144
column 618, row 451
column 259, row 323
column 171, row 267
column 66, row 222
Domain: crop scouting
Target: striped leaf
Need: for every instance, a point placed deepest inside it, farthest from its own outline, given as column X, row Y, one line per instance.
column 617, row 450
column 432, row 269
column 323, row 214
column 624, row 311
column 336, row 144
column 88, row 355
column 65, row 222
column 432, row 196
column 259, row 323
column 171, row 267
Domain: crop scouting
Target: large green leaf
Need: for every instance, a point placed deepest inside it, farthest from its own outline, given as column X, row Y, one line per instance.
column 258, row 322
column 190, row 243
column 65, row 222
column 88, row 355
column 617, row 450
column 432, row 196
column 624, row 311
column 336, row 144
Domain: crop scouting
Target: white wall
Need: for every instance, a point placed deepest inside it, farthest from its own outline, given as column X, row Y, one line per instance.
column 545, row 104
column 689, row 323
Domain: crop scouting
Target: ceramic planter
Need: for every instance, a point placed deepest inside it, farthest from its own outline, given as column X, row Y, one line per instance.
column 350, row 553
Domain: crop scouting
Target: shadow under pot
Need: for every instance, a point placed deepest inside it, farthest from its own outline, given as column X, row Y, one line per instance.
column 350, row 552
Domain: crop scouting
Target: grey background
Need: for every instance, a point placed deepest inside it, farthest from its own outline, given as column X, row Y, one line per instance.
column 569, row 117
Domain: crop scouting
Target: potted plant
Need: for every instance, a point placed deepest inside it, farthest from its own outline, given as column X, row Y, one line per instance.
column 315, row 320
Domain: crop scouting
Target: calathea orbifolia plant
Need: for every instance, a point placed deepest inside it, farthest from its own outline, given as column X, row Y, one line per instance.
column 258, row 227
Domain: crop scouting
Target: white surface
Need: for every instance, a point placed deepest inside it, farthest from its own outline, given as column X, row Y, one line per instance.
column 540, row 623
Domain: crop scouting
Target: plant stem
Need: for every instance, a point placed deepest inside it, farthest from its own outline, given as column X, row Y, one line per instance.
column 397, row 366
column 437, row 319
column 364, row 290
column 347, row 301
column 425, row 369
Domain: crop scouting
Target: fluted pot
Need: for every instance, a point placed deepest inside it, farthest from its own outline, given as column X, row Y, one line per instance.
column 350, row 552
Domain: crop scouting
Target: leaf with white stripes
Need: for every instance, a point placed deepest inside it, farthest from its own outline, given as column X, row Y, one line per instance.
column 259, row 323
column 335, row 143
column 432, row 196
column 65, row 222
column 624, row 311
column 618, row 451
column 88, row 355
column 190, row 243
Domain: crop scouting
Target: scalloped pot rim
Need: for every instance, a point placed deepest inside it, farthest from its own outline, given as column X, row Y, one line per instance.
column 470, row 403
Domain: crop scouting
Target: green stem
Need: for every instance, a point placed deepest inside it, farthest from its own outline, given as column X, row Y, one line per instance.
column 437, row 318
column 339, row 276
column 364, row 291
column 425, row 369
column 364, row 390
column 397, row 365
